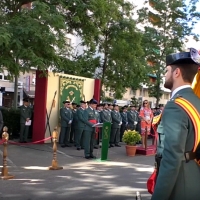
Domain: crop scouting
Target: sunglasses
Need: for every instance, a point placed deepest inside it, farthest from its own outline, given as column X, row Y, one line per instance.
column 195, row 55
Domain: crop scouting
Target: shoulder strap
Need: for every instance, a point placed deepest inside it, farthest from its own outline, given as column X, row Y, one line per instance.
column 194, row 116
column 156, row 119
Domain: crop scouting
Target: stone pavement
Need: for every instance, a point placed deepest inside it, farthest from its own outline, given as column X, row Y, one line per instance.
column 118, row 178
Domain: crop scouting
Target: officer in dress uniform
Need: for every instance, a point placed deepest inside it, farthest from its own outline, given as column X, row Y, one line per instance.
column 178, row 179
column 80, row 126
column 132, row 116
column 89, row 130
column 25, row 116
column 124, row 122
column 74, row 123
column 98, row 118
column 115, row 128
column 1, row 121
column 105, row 114
column 66, row 121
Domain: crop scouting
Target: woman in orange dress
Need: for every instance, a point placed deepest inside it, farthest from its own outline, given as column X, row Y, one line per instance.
column 146, row 116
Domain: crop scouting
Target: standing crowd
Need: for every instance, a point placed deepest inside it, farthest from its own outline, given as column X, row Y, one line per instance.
column 77, row 123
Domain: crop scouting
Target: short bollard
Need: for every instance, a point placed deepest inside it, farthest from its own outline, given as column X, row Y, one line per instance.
column 4, row 171
column 54, row 161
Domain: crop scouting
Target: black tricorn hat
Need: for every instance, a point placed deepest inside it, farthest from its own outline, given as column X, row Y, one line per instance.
column 191, row 57
column 161, row 105
column 82, row 101
column 93, row 101
column 66, row 102
column 74, row 104
column 25, row 100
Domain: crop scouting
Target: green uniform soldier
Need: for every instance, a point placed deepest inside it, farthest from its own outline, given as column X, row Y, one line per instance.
column 25, row 116
column 80, row 125
column 115, row 128
column 105, row 114
column 124, row 122
column 179, row 175
column 66, row 121
column 89, row 130
column 132, row 118
column 74, row 124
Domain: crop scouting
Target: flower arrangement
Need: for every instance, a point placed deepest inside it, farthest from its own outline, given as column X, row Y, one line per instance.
column 131, row 137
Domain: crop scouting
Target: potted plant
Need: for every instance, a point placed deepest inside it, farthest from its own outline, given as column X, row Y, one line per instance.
column 131, row 137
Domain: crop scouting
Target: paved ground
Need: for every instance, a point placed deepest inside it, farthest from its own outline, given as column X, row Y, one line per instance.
column 118, row 178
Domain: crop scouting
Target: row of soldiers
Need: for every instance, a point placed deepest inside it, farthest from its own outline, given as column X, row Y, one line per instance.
column 77, row 124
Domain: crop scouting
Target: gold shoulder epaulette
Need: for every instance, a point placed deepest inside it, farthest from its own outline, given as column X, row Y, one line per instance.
column 157, row 119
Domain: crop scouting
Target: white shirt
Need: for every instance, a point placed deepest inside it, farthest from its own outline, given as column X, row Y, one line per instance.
column 180, row 88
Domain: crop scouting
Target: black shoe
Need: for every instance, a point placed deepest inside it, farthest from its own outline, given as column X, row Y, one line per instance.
column 112, row 145
column 68, row 145
column 78, row 148
column 117, row 145
column 87, row 157
column 63, row 145
column 96, row 147
column 24, row 141
column 94, row 157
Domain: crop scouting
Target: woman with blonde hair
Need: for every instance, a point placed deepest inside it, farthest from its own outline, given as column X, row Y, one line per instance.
column 146, row 116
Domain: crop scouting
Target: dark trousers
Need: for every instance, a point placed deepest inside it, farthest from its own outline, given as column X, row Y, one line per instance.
column 72, row 134
column 88, row 138
column 23, row 132
column 79, row 137
column 122, row 130
column 64, row 135
column 115, row 136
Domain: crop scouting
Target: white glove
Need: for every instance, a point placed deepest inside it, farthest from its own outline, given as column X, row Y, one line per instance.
column 135, row 123
column 126, row 123
column 70, row 121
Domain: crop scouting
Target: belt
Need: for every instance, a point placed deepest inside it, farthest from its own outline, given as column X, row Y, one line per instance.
column 189, row 156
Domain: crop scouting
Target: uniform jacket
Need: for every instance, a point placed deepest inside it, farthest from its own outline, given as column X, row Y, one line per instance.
column 116, row 119
column 1, row 121
column 89, row 114
column 124, row 118
column 66, row 115
column 81, row 119
column 106, row 116
column 177, row 179
column 132, row 117
column 25, row 112
column 75, row 117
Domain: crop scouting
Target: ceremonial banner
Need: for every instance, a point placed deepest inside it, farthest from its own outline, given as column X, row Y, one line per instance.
column 71, row 89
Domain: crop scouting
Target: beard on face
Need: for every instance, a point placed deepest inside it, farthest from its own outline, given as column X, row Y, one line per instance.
column 169, row 83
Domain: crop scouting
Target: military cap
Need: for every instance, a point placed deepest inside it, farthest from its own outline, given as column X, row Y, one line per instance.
column 73, row 104
column 132, row 106
column 161, row 105
column 114, row 105
column 191, row 57
column 93, row 101
column 66, row 101
column 82, row 101
column 25, row 100
column 78, row 106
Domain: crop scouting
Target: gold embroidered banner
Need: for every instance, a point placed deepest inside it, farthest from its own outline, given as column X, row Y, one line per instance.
column 71, row 89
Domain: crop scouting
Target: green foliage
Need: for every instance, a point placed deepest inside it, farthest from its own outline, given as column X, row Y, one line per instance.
column 167, row 31
column 134, row 101
column 11, row 118
column 131, row 137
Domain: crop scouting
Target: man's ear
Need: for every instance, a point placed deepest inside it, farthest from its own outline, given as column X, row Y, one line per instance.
column 177, row 72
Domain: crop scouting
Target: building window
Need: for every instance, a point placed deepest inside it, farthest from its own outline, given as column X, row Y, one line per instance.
column 6, row 78
column 132, row 92
column 1, row 77
column 166, row 96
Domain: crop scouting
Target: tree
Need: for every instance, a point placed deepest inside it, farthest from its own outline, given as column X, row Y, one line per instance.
column 165, row 31
column 119, row 45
